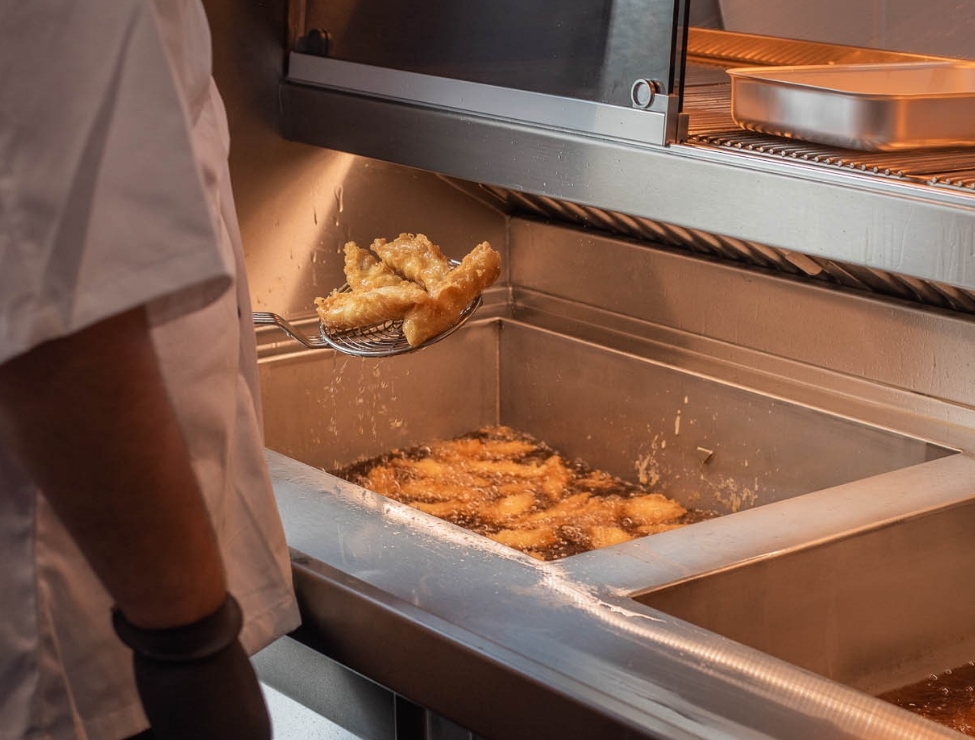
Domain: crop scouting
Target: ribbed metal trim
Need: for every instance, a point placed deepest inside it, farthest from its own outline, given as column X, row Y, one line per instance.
column 753, row 254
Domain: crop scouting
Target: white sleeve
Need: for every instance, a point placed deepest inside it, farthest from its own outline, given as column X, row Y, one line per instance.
column 102, row 202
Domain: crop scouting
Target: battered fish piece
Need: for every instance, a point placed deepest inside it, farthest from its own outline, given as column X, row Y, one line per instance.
column 479, row 449
column 564, row 511
column 365, row 271
column 506, row 509
column 408, row 279
column 378, row 293
column 444, row 509
column 414, row 257
column 341, row 311
column 651, row 508
column 525, row 539
column 450, row 295
column 603, row 535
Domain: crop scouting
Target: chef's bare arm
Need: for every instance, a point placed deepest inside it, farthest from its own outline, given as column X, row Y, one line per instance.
column 89, row 416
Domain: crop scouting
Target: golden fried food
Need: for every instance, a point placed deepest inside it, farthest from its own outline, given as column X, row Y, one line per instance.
column 409, row 280
column 536, row 540
column 441, row 509
column 364, row 270
column 565, row 511
column 602, row 535
column 451, row 294
column 341, row 311
column 499, row 449
column 414, row 257
column 507, row 507
column 651, row 509
column 519, row 492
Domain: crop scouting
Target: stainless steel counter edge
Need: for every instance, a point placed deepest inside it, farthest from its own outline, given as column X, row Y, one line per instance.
column 512, row 647
column 882, row 223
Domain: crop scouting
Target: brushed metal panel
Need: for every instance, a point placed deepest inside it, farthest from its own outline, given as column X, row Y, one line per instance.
column 329, row 410
column 587, row 49
column 476, row 99
column 709, row 445
column 875, row 610
column 891, row 343
column 327, row 688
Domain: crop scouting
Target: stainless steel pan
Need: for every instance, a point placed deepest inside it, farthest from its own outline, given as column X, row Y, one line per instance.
column 873, row 107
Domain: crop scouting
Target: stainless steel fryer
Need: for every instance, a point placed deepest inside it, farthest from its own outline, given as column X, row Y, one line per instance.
column 710, row 444
column 819, row 473
column 814, row 306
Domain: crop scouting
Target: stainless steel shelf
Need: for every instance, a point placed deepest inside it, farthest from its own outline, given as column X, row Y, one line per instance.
column 903, row 227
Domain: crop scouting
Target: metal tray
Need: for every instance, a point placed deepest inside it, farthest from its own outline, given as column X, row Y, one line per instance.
column 872, row 107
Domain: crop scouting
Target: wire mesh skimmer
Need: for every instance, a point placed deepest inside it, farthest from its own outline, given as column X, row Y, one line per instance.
column 380, row 340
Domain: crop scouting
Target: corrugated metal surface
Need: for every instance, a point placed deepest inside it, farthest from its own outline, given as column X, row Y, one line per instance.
column 716, row 246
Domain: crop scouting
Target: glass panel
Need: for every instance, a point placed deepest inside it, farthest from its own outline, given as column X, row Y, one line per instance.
column 587, row 49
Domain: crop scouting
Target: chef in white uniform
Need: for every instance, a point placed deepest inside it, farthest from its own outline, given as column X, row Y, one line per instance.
column 136, row 513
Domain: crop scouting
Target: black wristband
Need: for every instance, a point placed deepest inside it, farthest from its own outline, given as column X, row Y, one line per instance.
column 186, row 643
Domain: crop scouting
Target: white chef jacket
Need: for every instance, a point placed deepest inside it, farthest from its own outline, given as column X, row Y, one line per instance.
column 115, row 193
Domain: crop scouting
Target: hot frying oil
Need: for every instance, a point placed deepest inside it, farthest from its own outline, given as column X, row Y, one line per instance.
column 518, row 491
column 947, row 698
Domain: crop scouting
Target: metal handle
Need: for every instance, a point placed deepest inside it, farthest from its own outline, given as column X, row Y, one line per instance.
column 265, row 318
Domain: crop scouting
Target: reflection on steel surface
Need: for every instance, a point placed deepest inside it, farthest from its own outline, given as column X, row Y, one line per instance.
column 874, row 609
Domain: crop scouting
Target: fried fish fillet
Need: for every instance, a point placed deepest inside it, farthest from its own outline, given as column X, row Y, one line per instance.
column 451, row 294
column 407, row 279
column 603, row 535
column 651, row 508
column 364, row 270
column 378, row 293
column 341, row 311
column 525, row 539
column 506, row 508
column 414, row 257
